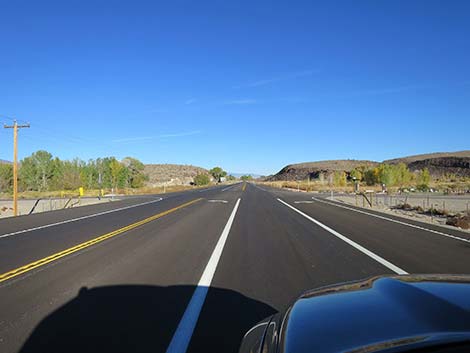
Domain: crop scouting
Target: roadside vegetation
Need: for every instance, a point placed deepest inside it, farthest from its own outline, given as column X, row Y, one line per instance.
column 383, row 177
column 41, row 175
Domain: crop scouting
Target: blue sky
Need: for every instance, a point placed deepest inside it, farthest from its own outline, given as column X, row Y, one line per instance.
column 250, row 86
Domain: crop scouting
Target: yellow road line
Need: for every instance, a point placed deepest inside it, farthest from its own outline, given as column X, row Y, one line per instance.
column 31, row 266
column 244, row 187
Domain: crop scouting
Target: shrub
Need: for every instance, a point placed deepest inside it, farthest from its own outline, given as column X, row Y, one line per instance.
column 201, row 179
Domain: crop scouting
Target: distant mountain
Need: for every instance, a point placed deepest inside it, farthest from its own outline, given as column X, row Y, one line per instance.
column 439, row 164
column 2, row 161
column 174, row 174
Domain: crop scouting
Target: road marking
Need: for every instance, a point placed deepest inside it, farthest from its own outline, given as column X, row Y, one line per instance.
column 78, row 218
column 396, row 221
column 31, row 266
column 369, row 253
column 303, row 201
column 221, row 201
column 232, row 186
column 182, row 336
column 244, row 187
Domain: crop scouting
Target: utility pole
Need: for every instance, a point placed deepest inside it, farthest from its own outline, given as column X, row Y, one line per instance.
column 15, row 128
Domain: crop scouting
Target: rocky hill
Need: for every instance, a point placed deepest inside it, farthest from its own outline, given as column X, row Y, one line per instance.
column 421, row 157
column 171, row 174
column 441, row 164
column 2, row 161
column 314, row 170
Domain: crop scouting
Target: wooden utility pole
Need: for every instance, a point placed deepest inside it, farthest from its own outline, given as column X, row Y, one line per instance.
column 15, row 128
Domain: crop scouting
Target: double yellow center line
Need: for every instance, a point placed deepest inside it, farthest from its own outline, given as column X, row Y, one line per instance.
column 31, row 266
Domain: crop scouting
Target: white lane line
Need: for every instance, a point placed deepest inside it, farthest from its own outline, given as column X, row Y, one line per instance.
column 182, row 336
column 303, row 201
column 396, row 221
column 362, row 249
column 77, row 219
column 232, row 186
column 221, row 201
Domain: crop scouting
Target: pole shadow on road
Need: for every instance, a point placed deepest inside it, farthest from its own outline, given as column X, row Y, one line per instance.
column 143, row 319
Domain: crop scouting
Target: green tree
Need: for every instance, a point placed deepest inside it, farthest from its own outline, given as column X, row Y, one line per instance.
column 6, row 177
column 231, row 178
column 135, row 172
column 28, row 175
column 402, row 175
column 356, row 173
column 423, row 179
column 116, row 172
column 339, row 178
column 370, row 177
column 201, row 179
column 246, row 177
column 385, row 174
column 217, row 173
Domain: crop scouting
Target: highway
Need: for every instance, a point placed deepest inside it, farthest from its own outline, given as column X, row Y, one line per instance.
column 193, row 271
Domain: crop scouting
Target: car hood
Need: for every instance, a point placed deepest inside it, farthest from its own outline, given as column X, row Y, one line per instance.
column 379, row 314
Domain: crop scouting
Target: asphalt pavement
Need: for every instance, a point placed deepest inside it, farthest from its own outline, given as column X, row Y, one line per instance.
column 193, row 271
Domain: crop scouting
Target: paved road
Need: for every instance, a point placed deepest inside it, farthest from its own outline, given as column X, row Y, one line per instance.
column 193, row 271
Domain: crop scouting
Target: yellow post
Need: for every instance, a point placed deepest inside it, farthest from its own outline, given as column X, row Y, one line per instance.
column 80, row 191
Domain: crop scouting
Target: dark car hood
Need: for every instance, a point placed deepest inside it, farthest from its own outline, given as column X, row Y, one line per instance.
column 379, row 314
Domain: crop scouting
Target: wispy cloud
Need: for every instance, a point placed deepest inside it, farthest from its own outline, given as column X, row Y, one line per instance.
column 190, row 101
column 290, row 76
column 181, row 134
column 133, row 139
column 240, row 102
column 147, row 138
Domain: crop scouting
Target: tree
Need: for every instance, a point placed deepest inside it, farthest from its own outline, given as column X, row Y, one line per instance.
column 246, row 177
column 384, row 174
column 135, row 174
column 231, row 178
column 217, row 173
column 356, row 174
column 339, row 178
column 201, row 179
column 370, row 177
column 401, row 174
column 28, row 175
column 423, row 179
column 116, row 171
column 6, row 177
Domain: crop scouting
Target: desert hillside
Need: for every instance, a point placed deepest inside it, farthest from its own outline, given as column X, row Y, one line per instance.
column 442, row 164
column 421, row 157
column 302, row 171
column 171, row 174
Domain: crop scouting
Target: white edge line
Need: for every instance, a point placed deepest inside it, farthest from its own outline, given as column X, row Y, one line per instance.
column 369, row 253
column 78, row 219
column 395, row 221
column 182, row 336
